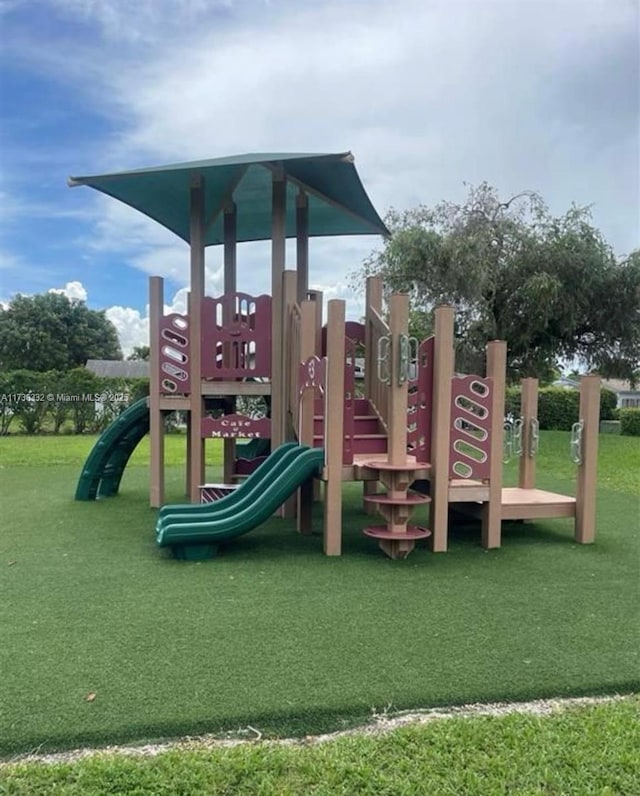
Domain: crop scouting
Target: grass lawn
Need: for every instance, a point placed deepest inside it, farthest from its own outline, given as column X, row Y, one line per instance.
column 581, row 751
column 275, row 635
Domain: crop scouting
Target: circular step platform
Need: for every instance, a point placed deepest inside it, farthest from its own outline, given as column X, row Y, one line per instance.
column 413, row 532
column 378, row 464
column 409, row 500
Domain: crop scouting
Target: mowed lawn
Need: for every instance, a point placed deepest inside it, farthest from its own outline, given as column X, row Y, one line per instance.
column 105, row 638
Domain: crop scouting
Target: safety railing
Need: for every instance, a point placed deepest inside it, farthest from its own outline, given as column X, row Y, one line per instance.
column 379, row 357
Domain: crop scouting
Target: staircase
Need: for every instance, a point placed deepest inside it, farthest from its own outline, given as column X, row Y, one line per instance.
column 369, row 435
column 396, row 538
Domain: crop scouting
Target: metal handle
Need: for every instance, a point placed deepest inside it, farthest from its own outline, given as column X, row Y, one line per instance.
column 534, row 437
column 414, row 350
column 403, row 359
column 518, row 425
column 507, row 441
column 407, row 359
column 576, row 442
column 384, row 350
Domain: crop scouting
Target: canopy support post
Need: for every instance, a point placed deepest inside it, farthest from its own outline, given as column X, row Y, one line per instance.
column 278, row 253
column 230, row 286
column 302, row 245
column 196, row 452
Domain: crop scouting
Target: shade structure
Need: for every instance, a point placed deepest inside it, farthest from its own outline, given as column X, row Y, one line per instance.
column 338, row 202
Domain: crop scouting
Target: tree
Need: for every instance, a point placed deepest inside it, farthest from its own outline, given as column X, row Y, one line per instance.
column 139, row 353
column 50, row 331
column 551, row 287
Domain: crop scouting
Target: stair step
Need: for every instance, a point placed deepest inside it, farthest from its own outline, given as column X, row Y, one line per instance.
column 371, row 444
column 383, row 465
column 382, row 532
column 411, row 499
column 363, row 416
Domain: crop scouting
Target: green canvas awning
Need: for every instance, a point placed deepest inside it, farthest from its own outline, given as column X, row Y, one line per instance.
column 338, row 203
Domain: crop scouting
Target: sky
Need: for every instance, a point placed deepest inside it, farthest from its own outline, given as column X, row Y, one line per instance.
column 429, row 95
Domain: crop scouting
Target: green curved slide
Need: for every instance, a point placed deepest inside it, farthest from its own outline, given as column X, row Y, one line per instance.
column 102, row 471
column 194, row 532
column 256, row 481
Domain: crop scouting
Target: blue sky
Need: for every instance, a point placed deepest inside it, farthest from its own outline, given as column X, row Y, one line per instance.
column 427, row 94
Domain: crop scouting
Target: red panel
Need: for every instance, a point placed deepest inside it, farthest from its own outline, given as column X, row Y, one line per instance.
column 470, row 427
column 174, row 347
column 349, row 400
column 233, row 426
column 312, row 373
column 236, row 336
column 248, row 466
column 352, row 330
column 420, row 403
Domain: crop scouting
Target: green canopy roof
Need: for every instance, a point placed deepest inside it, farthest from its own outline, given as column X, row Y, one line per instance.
column 338, row 203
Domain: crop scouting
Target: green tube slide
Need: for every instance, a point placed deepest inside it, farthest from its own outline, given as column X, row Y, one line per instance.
column 197, row 536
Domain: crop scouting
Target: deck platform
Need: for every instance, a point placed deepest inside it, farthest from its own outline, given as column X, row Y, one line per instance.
column 533, row 504
column 524, row 504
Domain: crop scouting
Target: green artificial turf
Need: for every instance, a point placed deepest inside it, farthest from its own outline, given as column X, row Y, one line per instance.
column 275, row 635
column 579, row 751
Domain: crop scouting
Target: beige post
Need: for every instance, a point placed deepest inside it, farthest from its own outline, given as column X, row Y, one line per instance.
column 278, row 253
column 334, row 422
column 196, row 452
column 187, row 486
column 230, row 240
column 398, row 325
column 187, row 469
column 443, row 368
column 585, row 527
column 302, row 245
column 373, row 299
column 306, row 410
column 492, row 509
column 318, row 298
column 528, row 412
column 156, row 423
column 289, row 280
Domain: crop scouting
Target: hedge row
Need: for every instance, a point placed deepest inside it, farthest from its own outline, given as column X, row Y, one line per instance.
column 558, row 407
column 36, row 402
column 630, row 422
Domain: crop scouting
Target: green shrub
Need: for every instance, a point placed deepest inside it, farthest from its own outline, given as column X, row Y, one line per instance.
column 608, row 403
column 512, row 402
column 630, row 422
column 30, row 405
column 559, row 407
column 138, row 388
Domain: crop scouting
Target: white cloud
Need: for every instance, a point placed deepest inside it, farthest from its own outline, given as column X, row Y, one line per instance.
column 427, row 95
column 72, row 290
column 132, row 327
column 425, row 98
column 142, row 22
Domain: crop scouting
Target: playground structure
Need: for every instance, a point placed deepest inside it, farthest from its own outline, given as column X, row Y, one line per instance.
column 414, row 421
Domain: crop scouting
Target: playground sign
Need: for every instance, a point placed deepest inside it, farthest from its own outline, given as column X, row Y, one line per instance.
column 234, row 426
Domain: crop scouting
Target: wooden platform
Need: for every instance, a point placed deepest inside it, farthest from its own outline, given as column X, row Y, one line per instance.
column 531, row 504
column 526, row 504
column 463, row 490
